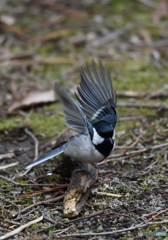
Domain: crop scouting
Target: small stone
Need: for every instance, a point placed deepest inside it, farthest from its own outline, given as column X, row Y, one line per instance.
column 94, row 191
column 89, row 223
column 100, row 228
column 47, row 197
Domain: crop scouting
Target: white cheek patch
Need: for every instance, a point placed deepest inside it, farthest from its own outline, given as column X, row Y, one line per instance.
column 97, row 139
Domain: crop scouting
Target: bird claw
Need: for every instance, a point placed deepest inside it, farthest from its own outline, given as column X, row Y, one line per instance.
column 96, row 165
column 84, row 169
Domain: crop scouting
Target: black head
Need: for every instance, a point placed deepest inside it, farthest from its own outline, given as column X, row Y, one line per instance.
column 104, row 129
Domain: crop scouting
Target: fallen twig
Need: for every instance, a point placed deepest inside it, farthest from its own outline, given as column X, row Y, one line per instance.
column 19, row 229
column 157, row 215
column 8, row 201
column 53, row 35
column 24, row 215
column 109, row 194
column 36, row 148
column 158, row 106
column 6, row 224
column 132, row 145
column 42, row 202
column 11, row 56
column 101, row 41
column 161, row 93
column 133, row 153
column 35, row 142
column 131, row 118
column 8, row 165
column 148, row 167
column 73, row 220
column 32, row 185
column 113, row 232
column 41, row 191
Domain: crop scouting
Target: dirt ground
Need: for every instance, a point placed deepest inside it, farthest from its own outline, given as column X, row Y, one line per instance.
column 46, row 41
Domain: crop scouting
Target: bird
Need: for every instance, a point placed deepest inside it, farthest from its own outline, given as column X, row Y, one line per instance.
column 93, row 116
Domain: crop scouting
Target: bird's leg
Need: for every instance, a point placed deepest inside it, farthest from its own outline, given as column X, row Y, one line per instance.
column 82, row 168
column 96, row 166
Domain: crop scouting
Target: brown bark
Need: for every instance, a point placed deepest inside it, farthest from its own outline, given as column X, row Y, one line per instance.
column 78, row 191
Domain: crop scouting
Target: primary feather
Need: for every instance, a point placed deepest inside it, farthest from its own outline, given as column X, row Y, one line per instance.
column 96, row 95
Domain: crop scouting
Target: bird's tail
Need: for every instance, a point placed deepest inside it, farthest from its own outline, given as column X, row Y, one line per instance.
column 47, row 156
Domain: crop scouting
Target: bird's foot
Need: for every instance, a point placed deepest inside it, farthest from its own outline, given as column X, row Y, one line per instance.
column 96, row 165
column 82, row 168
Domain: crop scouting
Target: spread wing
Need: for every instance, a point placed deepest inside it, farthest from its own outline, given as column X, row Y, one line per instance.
column 96, row 95
column 74, row 117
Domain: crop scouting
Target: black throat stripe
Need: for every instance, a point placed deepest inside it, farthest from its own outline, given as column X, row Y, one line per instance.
column 105, row 147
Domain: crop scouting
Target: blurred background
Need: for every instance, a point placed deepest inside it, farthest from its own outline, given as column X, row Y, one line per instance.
column 44, row 41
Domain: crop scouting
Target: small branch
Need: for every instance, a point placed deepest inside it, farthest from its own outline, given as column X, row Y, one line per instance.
column 6, row 200
column 42, row 202
column 113, row 232
column 131, row 118
column 41, row 191
column 35, row 142
column 109, row 194
column 32, row 185
column 19, row 229
column 157, row 215
column 133, row 153
column 36, row 149
column 9, row 165
column 11, row 56
column 24, row 215
column 73, row 220
column 49, row 220
column 158, row 106
column 132, row 145
column 101, row 41
column 148, row 167
column 12, row 222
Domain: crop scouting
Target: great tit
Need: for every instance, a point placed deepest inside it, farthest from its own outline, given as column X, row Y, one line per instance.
column 94, row 117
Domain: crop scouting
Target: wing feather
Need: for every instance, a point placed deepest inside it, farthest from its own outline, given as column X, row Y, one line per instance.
column 74, row 117
column 96, row 94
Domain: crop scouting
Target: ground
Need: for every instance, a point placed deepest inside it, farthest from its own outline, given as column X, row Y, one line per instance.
column 46, row 41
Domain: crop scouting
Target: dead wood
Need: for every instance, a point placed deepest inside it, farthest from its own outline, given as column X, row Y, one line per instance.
column 80, row 184
column 78, row 191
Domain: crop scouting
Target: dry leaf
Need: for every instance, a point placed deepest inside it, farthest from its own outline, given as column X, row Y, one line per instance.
column 32, row 99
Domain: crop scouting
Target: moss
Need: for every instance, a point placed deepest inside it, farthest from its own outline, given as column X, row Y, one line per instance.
column 49, row 121
column 11, row 121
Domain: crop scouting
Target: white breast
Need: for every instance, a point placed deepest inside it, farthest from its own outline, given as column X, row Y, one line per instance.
column 80, row 148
